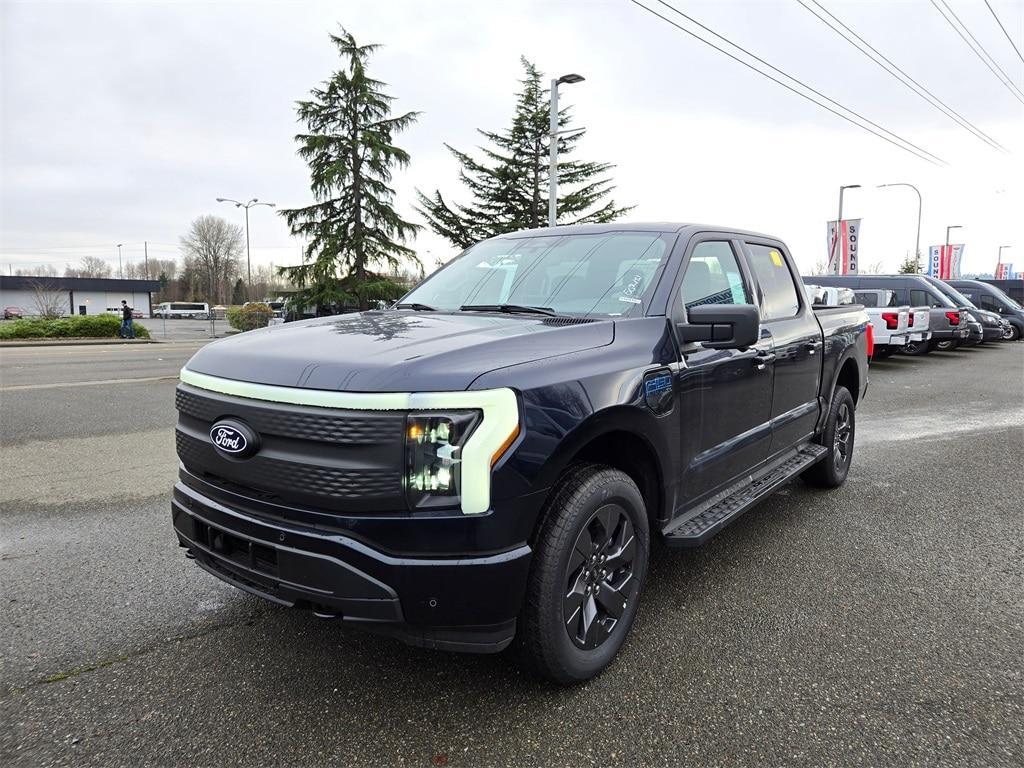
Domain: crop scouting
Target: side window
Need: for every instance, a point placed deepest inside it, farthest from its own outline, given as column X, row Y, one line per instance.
column 713, row 276
column 989, row 303
column 920, row 298
column 780, row 297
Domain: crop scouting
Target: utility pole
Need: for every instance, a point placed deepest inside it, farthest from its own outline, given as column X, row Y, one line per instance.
column 145, row 249
column 553, row 148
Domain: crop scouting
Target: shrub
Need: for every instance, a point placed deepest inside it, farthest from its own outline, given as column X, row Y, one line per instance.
column 249, row 316
column 74, row 327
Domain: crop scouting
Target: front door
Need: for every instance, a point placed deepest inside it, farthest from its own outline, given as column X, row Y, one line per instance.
column 798, row 347
column 724, row 394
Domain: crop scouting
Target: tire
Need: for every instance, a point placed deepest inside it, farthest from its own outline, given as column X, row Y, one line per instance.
column 1013, row 334
column 598, row 509
column 947, row 346
column 916, row 348
column 882, row 353
column 838, row 437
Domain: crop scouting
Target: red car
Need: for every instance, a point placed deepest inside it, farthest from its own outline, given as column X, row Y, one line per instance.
column 10, row 312
column 136, row 314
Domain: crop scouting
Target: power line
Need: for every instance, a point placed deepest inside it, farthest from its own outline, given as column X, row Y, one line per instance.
column 902, row 77
column 916, row 150
column 1007, row 83
column 1008, row 38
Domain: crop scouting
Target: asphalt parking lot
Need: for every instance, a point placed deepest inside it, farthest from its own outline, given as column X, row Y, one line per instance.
column 880, row 624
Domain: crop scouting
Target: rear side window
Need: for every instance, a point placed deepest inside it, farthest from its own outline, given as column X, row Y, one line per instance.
column 780, row 296
column 920, row 298
column 713, row 276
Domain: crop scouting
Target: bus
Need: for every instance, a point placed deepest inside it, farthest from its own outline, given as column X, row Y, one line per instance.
column 200, row 311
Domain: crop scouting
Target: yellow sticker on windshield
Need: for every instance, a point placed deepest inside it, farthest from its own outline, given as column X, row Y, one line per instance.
column 776, row 258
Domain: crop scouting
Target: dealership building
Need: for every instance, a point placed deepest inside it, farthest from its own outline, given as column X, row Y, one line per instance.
column 76, row 295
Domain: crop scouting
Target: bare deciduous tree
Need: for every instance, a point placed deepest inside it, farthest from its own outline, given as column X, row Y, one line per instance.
column 89, row 266
column 49, row 301
column 44, row 270
column 215, row 246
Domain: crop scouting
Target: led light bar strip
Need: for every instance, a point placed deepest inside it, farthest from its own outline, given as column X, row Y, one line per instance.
column 499, row 407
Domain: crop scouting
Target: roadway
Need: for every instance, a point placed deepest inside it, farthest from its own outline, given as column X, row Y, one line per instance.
column 878, row 624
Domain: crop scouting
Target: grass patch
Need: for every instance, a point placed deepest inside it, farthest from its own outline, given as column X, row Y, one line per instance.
column 74, row 327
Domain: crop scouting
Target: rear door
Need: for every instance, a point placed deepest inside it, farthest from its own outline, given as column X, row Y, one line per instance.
column 796, row 336
column 724, row 394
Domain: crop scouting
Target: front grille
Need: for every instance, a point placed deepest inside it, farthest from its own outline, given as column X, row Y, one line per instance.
column 321, row 459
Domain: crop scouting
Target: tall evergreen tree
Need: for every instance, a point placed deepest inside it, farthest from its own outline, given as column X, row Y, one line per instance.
column 352, row 228
column 508, row 185
column 911, row 266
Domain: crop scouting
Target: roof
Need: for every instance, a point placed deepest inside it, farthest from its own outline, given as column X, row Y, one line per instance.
column 640, row 226
column 109, row 284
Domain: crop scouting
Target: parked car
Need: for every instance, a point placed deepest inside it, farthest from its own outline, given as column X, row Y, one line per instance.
column 13, row 312
column 992, row 299
column 890, row 324
column 493, row 458
column 988, row 324
column 945, row 319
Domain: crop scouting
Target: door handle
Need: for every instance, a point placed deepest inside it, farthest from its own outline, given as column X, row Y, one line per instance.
column 811, row 347
column 762, row 359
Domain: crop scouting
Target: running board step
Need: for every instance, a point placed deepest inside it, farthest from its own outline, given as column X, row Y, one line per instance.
column 698, row 529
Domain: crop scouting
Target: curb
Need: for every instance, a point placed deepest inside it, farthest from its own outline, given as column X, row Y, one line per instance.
column 72, row 342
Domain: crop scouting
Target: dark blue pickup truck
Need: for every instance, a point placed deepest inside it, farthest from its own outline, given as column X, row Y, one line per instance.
column 492, row 459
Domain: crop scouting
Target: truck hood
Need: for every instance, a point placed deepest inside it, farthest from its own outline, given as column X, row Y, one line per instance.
column 394, row 351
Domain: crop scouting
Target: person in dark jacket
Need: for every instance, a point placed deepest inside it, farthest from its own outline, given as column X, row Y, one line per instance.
column 127, row 330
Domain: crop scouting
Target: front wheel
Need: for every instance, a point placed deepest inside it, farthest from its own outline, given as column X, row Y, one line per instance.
column 838, row 436
column 589, row 566
column 1012, row 333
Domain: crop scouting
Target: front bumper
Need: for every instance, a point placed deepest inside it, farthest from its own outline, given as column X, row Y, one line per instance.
column 451, row 603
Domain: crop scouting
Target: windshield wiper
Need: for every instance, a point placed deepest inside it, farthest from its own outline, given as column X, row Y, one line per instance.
column 512, row 309
column 416, row 306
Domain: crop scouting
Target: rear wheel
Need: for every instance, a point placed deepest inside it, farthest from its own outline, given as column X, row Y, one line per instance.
column 948, row 345
column 838, row 436
column 915, row 348
column 589, row 566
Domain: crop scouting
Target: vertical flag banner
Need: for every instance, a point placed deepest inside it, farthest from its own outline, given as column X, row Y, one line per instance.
column 1003, row 271
column 944, row 261
column 843, row 248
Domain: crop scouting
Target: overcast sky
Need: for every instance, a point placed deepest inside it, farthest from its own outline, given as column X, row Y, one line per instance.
column 121, row 122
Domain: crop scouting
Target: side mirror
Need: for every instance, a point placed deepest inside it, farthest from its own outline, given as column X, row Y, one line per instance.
column 722, row 326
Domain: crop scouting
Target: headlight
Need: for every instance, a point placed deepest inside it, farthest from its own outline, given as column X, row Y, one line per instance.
column 433, row 456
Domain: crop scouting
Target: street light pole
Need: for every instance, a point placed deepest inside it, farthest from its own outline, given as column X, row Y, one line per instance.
column 247, row 206
column 952, row 226
column 120, row 265
column 553, row 150
column 839, row 224
column 917, row 239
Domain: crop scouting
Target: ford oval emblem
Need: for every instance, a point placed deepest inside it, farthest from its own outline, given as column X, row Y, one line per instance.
column 234, row 438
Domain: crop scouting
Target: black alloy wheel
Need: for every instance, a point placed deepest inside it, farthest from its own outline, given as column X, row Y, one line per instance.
column 842, row 441
column 599, row 579
column 838, row 437
column 589, row 566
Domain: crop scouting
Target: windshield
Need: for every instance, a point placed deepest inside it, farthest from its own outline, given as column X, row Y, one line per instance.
column 609, row 274
column 958, row 297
